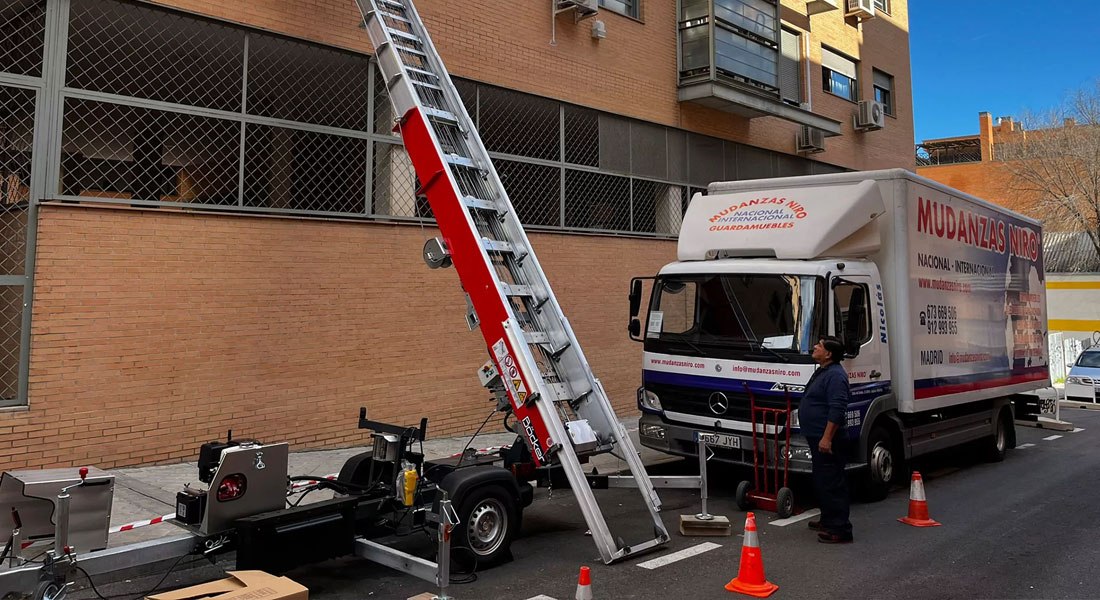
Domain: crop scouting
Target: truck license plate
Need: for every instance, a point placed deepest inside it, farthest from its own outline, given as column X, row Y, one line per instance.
column 721, row 440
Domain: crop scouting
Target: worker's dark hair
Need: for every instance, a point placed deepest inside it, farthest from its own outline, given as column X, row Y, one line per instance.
column 834, row 347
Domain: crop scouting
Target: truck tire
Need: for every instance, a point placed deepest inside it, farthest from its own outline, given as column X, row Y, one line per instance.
column 996, row 446
column 884, row 464
column 489, row 520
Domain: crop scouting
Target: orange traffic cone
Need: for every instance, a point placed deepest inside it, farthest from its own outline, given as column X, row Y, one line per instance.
column 584, row 585
column 750, row 578
column 918, row 505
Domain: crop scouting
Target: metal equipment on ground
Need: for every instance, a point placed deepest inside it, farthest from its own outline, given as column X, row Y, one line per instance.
column 766, row 492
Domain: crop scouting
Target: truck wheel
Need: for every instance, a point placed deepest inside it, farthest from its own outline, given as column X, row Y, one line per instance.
column 784, row 503
column 742, row 496
column 883, row 465
column 996, row 446
column 489, row 519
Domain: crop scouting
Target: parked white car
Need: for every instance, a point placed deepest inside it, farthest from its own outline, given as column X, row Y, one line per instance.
column 1083, row 382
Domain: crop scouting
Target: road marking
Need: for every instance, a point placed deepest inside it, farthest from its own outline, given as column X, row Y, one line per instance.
column 541, row 597
column 1051, row 438
column 1022, row 446
column 681, row 555
column 1077, row 429
column 802, row 517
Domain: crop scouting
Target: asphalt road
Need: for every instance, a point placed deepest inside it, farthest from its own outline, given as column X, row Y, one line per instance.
column 1023, row 528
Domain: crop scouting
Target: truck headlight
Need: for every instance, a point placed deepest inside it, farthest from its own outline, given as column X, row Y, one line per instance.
column 652, row 431
column 647, row 400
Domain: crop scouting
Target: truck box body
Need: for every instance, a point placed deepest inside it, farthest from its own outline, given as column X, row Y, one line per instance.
column 962, row 305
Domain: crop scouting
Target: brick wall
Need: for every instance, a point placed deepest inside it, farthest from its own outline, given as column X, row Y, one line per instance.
column 155, row 331
column 631, row 72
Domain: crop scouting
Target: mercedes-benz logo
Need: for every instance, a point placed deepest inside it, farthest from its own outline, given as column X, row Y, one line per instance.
column 719, row 403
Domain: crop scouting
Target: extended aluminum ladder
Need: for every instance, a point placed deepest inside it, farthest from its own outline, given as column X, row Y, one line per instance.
column 560, row 404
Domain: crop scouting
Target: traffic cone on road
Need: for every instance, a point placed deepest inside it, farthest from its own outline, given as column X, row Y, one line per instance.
column 750, row 578
column 918, row 505
column 584, row 585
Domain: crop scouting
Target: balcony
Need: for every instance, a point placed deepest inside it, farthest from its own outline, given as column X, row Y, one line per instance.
column 729, row 59
column 949, row 152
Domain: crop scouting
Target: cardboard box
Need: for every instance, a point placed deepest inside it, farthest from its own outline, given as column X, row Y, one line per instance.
column 240, row 585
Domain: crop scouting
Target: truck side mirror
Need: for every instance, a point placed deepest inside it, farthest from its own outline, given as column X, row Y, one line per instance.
column 635, row 329
column 635, row 297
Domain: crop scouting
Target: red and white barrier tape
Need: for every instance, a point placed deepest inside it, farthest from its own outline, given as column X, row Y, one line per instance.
column 301, row 484
column 136, row 524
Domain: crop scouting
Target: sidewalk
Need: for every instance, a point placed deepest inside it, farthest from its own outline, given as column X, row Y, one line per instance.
column 143, row 493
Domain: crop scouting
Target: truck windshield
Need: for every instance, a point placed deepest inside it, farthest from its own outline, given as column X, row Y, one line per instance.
column 771, row 317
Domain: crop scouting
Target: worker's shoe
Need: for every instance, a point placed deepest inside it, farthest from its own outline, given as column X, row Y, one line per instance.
column 833, row 538
column 815, row 525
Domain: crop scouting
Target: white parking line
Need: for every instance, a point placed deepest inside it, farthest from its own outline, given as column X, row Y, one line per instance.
column 1051, row 438
column 541, row 597
column 1022, row 446
column 1077, row 429
column 802, row 517
column 681, row 555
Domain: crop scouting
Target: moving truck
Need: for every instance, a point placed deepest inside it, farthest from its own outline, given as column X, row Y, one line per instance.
column 938, row 297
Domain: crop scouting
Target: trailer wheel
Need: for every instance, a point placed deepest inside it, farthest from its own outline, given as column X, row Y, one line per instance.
column 49, row 590
column 784, row 503
column 996, row 446
column 489, row 519
column 742, row 496
column 884, row 464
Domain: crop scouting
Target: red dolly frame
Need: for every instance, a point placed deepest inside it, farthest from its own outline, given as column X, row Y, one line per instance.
column 776, row 498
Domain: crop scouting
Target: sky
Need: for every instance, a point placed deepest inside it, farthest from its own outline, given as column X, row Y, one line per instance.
column 1000, row 56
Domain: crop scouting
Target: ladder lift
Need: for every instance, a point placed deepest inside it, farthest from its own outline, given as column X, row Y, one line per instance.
column 563, row 410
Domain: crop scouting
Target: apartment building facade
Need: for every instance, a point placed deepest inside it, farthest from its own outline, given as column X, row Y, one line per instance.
column 209, row 223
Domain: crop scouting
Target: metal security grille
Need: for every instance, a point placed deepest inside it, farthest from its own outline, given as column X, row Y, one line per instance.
column 17, row 107
column 140, row 104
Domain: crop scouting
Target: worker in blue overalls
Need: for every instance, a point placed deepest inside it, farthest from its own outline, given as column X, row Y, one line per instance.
column 821, row 415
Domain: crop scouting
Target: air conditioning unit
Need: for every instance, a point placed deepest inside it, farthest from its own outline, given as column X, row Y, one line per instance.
column 864, row 9
column 810, row 139
column 871, row 116
column 583, row 8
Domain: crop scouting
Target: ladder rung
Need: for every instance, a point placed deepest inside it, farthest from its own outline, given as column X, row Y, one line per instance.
column 441, row 115
column 461, row 161
column 421, row 72
column 481, row 204
column 392, row 4
column 403, row 35
column 497, row 246
column 395, row 17
column 425, row 84
column 409, row 50
column 536, row 337
column 517, row 290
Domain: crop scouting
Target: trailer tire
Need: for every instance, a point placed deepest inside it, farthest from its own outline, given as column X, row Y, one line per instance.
column 884, row 463
column 784, row 503
column 489, row 519
column 996, row 446
column 49, row 590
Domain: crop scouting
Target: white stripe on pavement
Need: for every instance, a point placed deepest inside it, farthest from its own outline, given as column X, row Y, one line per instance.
column 1051, row 438
column 541, row 597
column 681, row 555
column 1077, row 429
column 802, row 517
column 1022, row 446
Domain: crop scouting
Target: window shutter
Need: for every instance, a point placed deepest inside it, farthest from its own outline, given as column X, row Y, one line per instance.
column 838, row 63
column 884, row 81
column 790, row 81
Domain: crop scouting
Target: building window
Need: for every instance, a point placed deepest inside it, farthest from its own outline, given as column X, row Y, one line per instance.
column 626, row 7
column 790, row 67
column 838, row 75
column 746, row 44
column 884, row 90
column 882, row 5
